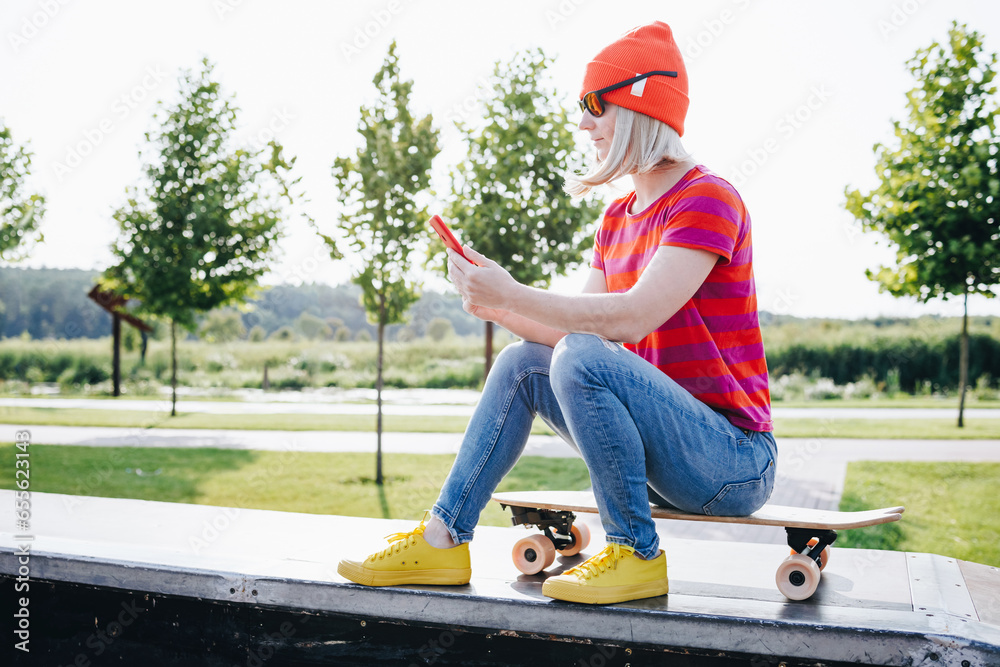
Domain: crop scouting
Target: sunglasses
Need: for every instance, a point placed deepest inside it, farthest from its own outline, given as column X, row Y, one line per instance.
column 593, row 103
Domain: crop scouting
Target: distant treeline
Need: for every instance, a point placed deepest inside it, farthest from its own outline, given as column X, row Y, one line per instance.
column 912, row 355
column 914, row 364
column 53, row 303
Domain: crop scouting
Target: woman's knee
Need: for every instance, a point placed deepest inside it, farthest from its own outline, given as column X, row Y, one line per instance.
column 572, row 359
column 518, row 357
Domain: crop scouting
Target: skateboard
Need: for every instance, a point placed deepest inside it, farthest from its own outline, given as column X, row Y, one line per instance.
column 810, row 532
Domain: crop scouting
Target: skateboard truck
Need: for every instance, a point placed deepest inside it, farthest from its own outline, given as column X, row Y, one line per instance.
column 798, row 576
column 535, row 553
column 809, row 541
column 562, row 536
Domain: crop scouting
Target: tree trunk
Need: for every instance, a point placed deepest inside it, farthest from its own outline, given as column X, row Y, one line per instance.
column 963, row 362
column 378, row 395
column 116, row 354
column 173, row 368
column 488, row 360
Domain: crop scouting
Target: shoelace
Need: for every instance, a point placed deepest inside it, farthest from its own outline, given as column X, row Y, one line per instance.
column 602, row 562
column 400, row 541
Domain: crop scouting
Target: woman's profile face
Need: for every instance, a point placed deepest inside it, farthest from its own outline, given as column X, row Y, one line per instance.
column 601, row 129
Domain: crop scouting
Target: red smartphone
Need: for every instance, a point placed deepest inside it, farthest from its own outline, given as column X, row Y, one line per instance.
column 449, row 239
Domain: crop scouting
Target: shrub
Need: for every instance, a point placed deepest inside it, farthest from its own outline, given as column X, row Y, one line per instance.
column 283, row 334
column 257, row 334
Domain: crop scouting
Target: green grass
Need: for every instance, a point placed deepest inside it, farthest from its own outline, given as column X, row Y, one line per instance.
column 264, row 422
column 952, row 509
column 254, row 422
column 287, row 481
column 785, row 428
column 888, row 429
column 898, row 401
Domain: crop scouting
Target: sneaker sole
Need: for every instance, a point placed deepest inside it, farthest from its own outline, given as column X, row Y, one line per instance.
column 568, row 592
column 359, row 574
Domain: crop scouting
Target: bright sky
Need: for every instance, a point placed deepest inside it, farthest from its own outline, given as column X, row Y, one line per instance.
column 787, row 100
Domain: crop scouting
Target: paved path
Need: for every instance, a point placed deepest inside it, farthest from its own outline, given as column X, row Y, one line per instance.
column 810, row 471
column 440, row 403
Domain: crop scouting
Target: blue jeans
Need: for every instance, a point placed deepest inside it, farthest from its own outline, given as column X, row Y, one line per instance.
column 633, row 426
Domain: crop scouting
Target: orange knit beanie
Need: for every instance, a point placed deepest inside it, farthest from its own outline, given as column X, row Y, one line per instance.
column 640, row 50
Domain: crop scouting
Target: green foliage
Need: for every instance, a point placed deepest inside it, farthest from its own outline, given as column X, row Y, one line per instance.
column 51, row 303
column 937, row 202
column 201, row 230
column 283, row 334
column 379, row 188
column 508, row 193
column 20, row 212
column 894, row 363
column 55, row 361
column 222, row 326
column 256, row 334
column 312, row 327
column 439, row 328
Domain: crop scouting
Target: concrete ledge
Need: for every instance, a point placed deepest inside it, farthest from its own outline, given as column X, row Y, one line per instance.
column 873, row 607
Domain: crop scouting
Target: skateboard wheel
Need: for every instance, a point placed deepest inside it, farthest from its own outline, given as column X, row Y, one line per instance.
column 824, row 556
column 797, row 577
column 581, row 538
column 533, row 554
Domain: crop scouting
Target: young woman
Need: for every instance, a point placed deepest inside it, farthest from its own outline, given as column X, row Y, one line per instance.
column 683, row 406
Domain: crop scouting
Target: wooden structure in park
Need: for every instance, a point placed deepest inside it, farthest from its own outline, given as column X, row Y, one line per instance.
column 115, row 305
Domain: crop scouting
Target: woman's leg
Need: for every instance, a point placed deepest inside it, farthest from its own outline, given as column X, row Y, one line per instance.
column 516, row 390
column 632, row 423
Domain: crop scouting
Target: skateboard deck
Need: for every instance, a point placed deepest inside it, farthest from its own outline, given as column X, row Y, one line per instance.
column 810, row 532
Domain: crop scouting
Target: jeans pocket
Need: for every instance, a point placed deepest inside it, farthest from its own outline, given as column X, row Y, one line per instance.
column 743, row 498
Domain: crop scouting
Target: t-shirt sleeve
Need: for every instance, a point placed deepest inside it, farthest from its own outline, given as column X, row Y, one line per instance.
column 597, row 262
column 708, row 218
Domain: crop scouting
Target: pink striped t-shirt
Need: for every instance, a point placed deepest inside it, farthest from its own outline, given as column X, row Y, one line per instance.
column 712, row 346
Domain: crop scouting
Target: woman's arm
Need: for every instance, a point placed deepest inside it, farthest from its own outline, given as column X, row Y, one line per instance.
column 529, row 329
column 672, row 277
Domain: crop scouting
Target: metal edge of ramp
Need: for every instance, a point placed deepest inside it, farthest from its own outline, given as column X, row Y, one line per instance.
column 934, row 635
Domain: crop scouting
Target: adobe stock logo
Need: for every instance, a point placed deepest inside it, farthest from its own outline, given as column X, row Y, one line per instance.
column 785, row 129
column 364, row 34
column 120, row 110
column 33, row 24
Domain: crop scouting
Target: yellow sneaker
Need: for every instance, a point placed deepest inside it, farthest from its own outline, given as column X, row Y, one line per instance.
column 409, row 559
column 614, row 575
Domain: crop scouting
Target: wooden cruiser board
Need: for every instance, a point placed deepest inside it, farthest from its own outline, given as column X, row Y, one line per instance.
column 768, row 515
column 810, row 532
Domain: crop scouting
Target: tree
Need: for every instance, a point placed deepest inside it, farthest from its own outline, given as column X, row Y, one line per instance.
column 257, row 334
column 312, row 326
column 379, row 189
column 508, row 193
column 20, row 212
column 938, row 200
column 440, row 328
column 201, row 230
column 222, row 325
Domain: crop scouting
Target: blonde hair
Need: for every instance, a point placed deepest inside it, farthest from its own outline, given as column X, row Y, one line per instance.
column 641, row 144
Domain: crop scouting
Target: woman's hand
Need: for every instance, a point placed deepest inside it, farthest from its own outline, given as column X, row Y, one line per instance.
column 486, row 287
column 484, row 314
